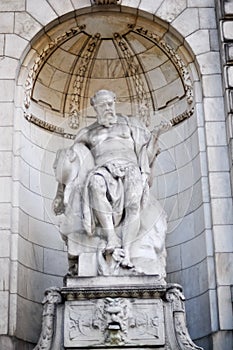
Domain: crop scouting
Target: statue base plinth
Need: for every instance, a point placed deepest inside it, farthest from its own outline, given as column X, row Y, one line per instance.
column 116, row 313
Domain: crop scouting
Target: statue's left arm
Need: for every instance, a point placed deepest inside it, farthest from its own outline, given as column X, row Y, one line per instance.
column 153, row 148
column 146, row 144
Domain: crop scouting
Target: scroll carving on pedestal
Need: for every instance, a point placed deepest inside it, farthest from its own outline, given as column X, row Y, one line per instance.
column 51, row 299
column 175, row 296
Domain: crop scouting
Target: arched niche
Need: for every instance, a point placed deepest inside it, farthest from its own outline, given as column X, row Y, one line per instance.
column 154, row 76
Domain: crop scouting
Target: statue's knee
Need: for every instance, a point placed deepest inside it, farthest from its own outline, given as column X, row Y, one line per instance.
column 133, row 208
column 97, row 184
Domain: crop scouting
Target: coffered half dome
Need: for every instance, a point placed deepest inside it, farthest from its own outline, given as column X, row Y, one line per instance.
column 140, row 60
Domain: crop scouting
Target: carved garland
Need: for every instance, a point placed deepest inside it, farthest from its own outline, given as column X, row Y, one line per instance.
column 75, row 106
column 133, row 68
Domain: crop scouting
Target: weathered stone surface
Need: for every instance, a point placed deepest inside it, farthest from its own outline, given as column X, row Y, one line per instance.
column 25, row 25
column 4, row 300
column 13, row 5
column 43, row 13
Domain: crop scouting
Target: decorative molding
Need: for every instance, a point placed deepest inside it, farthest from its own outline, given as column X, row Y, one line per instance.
column 42, row 56
column 85, row 59
column 48, row 127
column 179, row 118
column 50, row 301
column 70, row 293
column 61, row 132
column 105, row 2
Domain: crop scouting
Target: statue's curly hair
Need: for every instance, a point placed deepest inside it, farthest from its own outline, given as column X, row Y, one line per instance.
column 100, row 93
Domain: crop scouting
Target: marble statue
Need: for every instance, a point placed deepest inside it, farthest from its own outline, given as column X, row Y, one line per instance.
column 104, row 195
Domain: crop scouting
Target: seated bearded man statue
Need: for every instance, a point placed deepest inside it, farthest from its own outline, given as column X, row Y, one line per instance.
column 117, row 186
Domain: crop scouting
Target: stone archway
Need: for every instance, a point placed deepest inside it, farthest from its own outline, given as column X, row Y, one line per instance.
column 149, row 67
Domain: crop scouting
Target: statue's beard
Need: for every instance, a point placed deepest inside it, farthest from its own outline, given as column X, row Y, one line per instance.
column 108, row 119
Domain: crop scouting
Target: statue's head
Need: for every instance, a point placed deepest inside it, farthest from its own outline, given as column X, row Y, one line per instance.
column 103, row 103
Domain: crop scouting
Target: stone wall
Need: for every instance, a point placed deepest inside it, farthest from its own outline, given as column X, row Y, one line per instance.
column 192, row 177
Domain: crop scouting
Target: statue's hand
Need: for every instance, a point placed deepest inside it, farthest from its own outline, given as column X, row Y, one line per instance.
column 58, row 205
column 162, row 127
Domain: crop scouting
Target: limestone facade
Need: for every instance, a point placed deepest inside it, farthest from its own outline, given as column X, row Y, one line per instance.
column 193, row 178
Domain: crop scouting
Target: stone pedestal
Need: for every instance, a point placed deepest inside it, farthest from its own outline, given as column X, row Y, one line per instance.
column 115, row 313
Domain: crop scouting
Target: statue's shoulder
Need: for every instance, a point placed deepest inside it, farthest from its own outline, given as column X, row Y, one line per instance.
column 121, row 118
column 132, row 121
column 84, row 133
column 91, row 126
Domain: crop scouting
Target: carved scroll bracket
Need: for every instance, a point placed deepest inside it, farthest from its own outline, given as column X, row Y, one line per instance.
column 51, row 299
column 174, row 295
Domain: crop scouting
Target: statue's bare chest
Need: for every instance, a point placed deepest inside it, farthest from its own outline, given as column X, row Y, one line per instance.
column 102, row 134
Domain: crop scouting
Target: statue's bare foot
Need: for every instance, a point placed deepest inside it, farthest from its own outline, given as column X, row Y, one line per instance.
column 126, row 263
column 110, row 247
column 118, row 255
